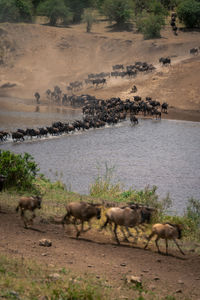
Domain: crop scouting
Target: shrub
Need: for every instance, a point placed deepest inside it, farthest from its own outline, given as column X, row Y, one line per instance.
column 15, row 11
column 55, row 10
column 150, row 25
column 20, row 170
column 188, row 13
column 120, row 11
column 89, row 17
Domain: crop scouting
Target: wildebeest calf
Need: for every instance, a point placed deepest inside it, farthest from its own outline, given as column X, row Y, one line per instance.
column 166, row 231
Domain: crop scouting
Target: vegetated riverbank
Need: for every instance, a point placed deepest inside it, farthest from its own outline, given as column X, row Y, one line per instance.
column 92, row 265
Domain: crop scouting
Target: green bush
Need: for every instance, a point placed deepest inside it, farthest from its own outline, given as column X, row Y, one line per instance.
column 188, row 13
column 120, row 11
column 55, row 10
column 20, row 170
column 150, row 25
column 15, row 11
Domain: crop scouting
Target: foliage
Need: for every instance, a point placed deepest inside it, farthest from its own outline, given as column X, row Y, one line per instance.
column 150, row 25
column 188, row 13
column 20, row 170
column 20, row 279
column 192, row 218
column 15, row 10
column 120, row 11
column 77, row 8
column 89, row 17
column 55, row 10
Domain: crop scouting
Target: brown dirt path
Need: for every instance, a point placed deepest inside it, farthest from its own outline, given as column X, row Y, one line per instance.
column 96, row 253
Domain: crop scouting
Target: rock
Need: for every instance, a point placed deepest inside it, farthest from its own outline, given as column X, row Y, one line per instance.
column 45, row 243
column 180, row 282
column 44, row 254
column 134, row 279
column 55, row 276
column 178, row 291
column 123, row 265
column 156, row 278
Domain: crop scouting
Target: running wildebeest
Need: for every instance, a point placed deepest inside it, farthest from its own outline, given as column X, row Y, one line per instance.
column 82, row 211
column 28, row 203
column 165, row 60
column 166, row 231
column 128, row 216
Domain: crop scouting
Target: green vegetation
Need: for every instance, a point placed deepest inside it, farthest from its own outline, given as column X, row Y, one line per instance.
column 22, row 177
column 20, row 170
column 120, row 11
column 189, row 13
column 89, row 17
column 55, row 10
column 20, row 279
column 16, row 11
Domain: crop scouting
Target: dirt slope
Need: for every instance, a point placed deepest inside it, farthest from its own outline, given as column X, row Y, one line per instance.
column 39, row 57
column 98, row 254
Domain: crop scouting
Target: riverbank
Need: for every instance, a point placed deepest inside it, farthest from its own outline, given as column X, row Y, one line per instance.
column 32, row 67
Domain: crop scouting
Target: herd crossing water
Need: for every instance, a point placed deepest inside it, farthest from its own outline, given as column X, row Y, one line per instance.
column 162, row 153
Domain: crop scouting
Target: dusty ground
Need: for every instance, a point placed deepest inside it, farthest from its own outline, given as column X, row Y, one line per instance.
column 97, row 253
column 38, row 57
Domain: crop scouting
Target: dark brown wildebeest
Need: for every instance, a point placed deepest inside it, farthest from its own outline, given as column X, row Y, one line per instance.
column 166, row 231
column 194, row 51
column 28, row 203
column 82, row 211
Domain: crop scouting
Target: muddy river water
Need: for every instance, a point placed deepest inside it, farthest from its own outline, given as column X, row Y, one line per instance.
column 164, row 153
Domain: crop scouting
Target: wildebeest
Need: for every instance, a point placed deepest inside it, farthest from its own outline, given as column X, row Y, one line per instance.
column 167, row 231
column 133, row 119
column 28, row 203
column 37, row 97
column 165, row 60
column 194, row 51
column 82, row 211
column 128, row 216
column 17, row 136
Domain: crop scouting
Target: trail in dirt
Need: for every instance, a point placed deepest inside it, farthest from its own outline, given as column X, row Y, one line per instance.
column 96, row 253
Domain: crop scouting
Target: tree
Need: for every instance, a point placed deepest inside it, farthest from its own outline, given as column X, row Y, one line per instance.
column 77, row 8
column 89, row 17
column 120, row 11
column 55, row 10
column 188, row 13
column 150, row 25
column 15, row 11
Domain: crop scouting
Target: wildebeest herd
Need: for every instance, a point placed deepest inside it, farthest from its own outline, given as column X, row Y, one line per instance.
column 129, row 216
column 96, row 113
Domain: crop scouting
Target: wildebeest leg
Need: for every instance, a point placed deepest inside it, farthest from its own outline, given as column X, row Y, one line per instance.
column 23, row 217
column 33, row 217
column 166, row 242
column 178, row 246
column 115, row 232
column 125, row 237
column 64, row 219
column 89, row 227
column 104, row 225
column 78, row 232
column 156, row 241
column 149, row 238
